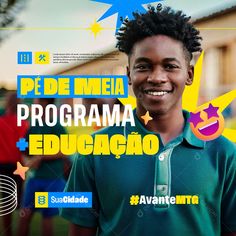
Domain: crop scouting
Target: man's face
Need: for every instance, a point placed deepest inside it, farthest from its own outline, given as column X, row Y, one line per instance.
column 158, row 72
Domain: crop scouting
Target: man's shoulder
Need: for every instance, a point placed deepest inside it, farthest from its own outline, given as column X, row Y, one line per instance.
column 223, row 145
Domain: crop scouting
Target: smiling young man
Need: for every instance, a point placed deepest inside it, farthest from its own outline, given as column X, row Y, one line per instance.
column 158, row 72
column 159, row 45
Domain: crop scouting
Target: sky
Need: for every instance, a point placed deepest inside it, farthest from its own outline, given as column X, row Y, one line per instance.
column 59, row 26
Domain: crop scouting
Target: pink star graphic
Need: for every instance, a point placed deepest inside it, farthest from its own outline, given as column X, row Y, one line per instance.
column 195, row 118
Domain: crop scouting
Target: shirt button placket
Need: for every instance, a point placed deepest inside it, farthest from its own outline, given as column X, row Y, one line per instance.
column 162, row 176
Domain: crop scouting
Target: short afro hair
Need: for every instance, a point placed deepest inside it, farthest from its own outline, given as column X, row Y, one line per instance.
column 160, row 21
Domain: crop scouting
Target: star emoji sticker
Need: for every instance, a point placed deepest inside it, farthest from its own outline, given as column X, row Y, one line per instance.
column 21, row 170
column 146, row 118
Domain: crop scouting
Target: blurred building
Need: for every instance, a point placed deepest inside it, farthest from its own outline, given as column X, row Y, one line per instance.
column 218, row 29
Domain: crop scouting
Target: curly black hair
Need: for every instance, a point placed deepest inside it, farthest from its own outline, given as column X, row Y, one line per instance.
column 165, row 21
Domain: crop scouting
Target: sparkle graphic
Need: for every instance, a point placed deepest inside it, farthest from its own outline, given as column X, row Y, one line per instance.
column 21, row 170
column 146, row 118
column 95, row 28
column 211, row 111
column 195, row 118
column 123, row 8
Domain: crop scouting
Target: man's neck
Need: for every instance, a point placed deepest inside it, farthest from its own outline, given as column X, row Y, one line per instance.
column 169, row 126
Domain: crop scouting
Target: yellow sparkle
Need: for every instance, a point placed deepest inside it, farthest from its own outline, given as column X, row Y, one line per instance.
column 21, row 170
column 95, row 28
column 146, row 118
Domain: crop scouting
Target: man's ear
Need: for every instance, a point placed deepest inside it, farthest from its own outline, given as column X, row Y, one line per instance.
column 189, row 80
column 128, row 74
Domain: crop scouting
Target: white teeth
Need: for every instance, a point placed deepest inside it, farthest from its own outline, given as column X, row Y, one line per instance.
column 154, row 93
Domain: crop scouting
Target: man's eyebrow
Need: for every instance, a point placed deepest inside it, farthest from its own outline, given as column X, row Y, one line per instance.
column 170, row 59
column 142, row 59
column 167, row 59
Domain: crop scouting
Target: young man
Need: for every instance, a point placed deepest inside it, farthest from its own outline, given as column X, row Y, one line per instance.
column 159, row 45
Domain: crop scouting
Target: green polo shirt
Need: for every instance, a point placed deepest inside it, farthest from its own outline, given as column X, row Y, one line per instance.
column 48, row 169
column 185, row 166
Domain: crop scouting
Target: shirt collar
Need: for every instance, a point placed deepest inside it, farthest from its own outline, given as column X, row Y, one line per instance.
column 187, row 134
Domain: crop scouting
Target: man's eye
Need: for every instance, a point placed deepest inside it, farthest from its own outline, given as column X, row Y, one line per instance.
column 170, row 66
column 142, row 67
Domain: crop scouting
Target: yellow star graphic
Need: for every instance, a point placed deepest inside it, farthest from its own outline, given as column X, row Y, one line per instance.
column 146, row 118
column 95, row 28
column 21, row 170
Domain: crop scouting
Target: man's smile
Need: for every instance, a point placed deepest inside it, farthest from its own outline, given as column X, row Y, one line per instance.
column 157, row 92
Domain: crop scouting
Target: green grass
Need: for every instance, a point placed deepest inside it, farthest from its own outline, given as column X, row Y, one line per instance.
column 60, row 225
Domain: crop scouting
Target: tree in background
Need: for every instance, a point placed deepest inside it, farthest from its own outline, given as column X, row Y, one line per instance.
column 9, row 10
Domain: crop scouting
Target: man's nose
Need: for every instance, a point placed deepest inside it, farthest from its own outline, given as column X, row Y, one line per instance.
column 158, row 75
